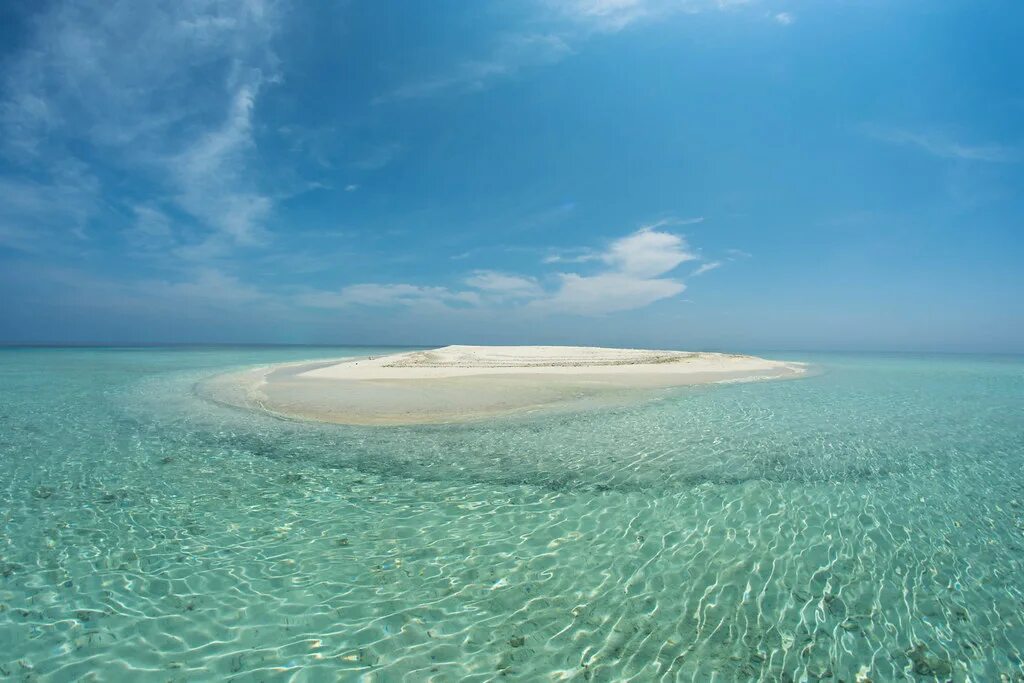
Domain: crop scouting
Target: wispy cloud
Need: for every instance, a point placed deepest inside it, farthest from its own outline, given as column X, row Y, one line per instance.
column 610, row 16
column 607, row 15
column 211, row 287
column 151, row 229
column 548, row 38
column 38, row 214
column 944, row 147
column 706, row 267
column 388, row 295
column 200, row 292
column 509, row 56
column 672, row 222
column 211, row 171
column 378, row 157
column 162, row 92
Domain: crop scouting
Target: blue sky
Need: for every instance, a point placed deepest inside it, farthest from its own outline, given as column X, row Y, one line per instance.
column 722, row 174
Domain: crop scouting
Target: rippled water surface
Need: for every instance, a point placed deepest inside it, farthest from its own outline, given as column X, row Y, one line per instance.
column 867, row 521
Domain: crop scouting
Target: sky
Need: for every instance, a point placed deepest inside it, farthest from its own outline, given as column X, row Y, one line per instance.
column 700, row 174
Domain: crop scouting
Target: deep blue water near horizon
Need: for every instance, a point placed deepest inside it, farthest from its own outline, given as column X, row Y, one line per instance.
column 865, row 521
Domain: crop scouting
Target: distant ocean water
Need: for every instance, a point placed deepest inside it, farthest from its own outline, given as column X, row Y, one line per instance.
column 865, row 521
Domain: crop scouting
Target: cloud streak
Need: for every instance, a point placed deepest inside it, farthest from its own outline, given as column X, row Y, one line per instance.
column 564, row 26
column 706, row 268
column 943, row 147
column 509, row 56
column 612, row 16
column 211, row 177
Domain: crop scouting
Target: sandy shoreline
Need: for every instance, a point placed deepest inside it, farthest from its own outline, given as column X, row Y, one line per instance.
column 463, row 383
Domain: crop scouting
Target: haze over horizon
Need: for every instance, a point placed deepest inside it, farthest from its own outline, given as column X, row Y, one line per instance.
column 730, row 174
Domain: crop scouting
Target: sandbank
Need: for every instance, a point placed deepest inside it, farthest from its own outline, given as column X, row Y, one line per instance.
column 463, row 383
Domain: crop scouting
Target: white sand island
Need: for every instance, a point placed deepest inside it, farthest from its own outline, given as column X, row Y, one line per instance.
column 462, row 383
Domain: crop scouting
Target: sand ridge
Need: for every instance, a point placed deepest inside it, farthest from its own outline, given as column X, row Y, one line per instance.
column 531, row 356
column 464, row 361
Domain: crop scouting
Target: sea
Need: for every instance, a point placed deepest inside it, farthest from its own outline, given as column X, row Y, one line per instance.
column 863, row 523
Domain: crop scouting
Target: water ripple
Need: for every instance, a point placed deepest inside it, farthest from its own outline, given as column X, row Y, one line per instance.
column 867, row 522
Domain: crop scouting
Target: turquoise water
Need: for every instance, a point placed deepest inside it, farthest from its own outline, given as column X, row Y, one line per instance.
column 866, row 520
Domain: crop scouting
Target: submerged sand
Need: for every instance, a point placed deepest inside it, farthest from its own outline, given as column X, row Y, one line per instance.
column 462, row 383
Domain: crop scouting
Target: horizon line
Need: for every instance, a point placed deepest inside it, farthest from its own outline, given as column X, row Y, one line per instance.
column 7, row 345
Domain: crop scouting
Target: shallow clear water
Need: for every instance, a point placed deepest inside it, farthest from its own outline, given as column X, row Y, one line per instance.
column 866, row 519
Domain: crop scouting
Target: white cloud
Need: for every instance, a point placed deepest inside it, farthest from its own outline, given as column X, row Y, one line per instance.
column 572, row 256
column 587, row 254
column 943, row 147
column 608, row 292
column 632, row 272
column 637, row 266
column 647, row 253
column 784, row 18
column 706, row 267
column 504, row 285
column 686, row 221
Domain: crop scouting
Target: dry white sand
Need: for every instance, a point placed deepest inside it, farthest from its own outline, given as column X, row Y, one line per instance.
column 460, row 383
